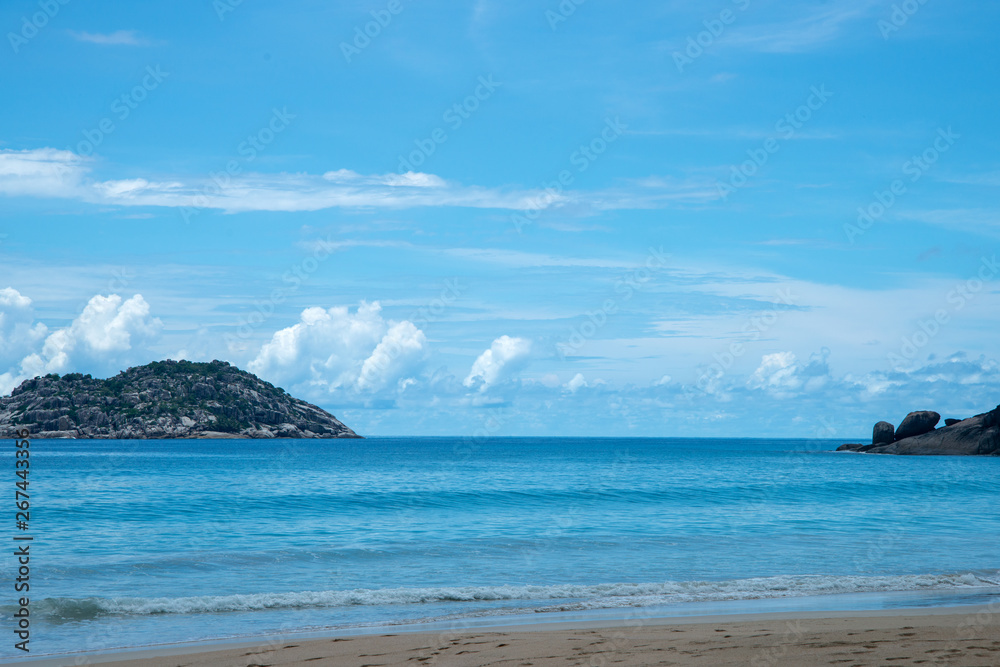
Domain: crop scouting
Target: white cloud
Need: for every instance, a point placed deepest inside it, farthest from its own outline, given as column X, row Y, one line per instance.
column 20, row 334
column 51, row 173
column 818, row 25
column 400, row 351
column 776, row 371
column 782, row 375
column 102, row 339
column 15, row 313
column 577, row 382
column 505, row 356
column 521, row 259
column 45, row 172
column 654, row 192
column 415, row 179
column 107, row 324
column 10, row 297
column 975, row 220
column 109, row 335
column 343, row 357
column 410, row 178
column 117, row 38
column 335, row 351
column 549, row 380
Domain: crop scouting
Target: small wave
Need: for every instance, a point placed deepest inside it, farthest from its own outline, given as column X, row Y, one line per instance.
column 570, row 596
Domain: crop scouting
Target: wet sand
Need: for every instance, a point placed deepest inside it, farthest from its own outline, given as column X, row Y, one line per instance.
column 964, row 636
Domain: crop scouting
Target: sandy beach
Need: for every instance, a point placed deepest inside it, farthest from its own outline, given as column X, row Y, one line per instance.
column 968, row 636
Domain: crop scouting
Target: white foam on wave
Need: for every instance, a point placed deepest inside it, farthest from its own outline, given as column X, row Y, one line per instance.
column 571, row 597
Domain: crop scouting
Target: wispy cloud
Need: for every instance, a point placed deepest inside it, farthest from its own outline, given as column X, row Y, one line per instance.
column 814, row 243
column 821, row 25
column 990, row 179
column 977, row 220
column 482, row 13
column 53, row 173
column 729, row 133
column 519, row 259
column 496, row 256
column 44, row 172
column 117, row 38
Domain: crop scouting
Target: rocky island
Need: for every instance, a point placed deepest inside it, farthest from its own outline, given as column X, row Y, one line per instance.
column 918, row 434
column 164, row 399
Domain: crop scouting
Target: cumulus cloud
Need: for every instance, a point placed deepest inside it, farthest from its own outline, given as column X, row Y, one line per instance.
column 577, row 382
column 505, row 356
column 109, row 335
column 776, row 371
column 19, row 333
column 334, row 351
column 399, row 352
column 782, row 374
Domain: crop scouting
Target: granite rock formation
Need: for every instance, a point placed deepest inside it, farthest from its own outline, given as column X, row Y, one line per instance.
column 975, row 436
column 164, row 399
column 917, row 423
column 883, row 433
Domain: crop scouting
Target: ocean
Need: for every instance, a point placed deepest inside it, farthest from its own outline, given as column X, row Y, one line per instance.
column 140, row 543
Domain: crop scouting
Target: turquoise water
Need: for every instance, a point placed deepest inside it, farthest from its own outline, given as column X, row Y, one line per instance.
column 146, row 542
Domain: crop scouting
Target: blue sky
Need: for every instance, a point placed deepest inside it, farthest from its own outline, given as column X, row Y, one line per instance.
column 720, row 219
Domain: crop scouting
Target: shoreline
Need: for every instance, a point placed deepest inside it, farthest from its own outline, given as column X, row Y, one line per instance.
column 786, row 633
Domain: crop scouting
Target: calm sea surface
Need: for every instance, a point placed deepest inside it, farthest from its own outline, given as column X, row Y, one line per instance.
column 147, row 542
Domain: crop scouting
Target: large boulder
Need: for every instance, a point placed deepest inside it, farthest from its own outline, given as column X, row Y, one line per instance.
column 951, row 422
column 883, row 433
column 917, row 423
column 976, row 436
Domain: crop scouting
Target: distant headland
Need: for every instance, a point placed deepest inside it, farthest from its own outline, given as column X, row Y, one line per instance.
column 164, row 399
column 917, row 434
